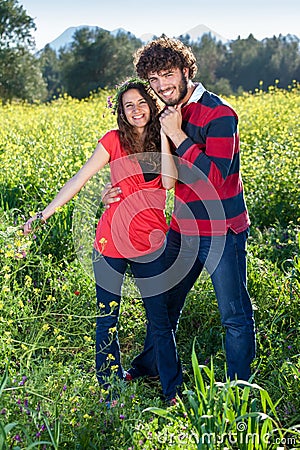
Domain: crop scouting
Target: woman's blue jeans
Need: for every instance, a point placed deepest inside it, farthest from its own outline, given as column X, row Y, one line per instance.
column 224, row 257
column 109, row 274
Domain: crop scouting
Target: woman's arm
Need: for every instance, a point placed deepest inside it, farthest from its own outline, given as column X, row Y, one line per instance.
column 169, row 172
column 96, row 162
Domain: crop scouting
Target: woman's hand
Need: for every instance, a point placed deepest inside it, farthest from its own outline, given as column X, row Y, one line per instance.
column 27, row 228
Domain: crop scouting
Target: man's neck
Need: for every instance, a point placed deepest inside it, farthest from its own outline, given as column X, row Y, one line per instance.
column 191, row 87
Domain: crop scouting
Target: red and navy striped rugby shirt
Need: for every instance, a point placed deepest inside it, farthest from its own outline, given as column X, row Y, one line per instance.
column 209, row 196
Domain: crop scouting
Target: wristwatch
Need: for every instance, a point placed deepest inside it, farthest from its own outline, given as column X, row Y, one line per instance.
column 40, row 217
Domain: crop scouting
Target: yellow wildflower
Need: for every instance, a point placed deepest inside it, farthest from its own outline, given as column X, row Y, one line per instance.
column 113, row 304
column 28, row 281
column 102, row 243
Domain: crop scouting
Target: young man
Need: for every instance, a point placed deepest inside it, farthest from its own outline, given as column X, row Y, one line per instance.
column 210, row 223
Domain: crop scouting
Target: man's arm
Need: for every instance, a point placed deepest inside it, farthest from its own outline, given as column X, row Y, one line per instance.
column 214, row 157
column 110, row 195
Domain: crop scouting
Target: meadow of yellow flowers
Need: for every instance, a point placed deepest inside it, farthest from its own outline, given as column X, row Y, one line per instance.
column 41, row 146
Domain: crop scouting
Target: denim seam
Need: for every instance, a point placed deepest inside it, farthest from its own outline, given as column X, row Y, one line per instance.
column 239, row 275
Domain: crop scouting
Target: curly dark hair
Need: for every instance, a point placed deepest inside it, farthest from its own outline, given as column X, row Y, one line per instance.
column 129, row 137
column 162, row 54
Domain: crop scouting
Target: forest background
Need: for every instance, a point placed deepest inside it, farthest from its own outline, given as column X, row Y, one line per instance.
column 97, row 59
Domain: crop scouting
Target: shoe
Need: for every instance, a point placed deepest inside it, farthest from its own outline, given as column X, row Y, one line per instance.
column 172, row 402
column 128, row 377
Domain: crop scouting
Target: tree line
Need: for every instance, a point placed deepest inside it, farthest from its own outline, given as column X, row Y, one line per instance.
column 96, row 59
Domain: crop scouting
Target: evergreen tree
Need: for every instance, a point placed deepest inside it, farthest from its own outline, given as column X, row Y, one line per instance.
column 97, row 60
column 20, row 74
column 281, row 58
column 210, row 55
column 50, row 66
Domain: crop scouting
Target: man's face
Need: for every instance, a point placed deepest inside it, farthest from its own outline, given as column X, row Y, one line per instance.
column 170, row 85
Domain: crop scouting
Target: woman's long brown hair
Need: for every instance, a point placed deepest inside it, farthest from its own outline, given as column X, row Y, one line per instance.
column 130, row 139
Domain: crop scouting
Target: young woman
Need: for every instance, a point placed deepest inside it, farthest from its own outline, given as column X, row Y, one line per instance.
column 131, row 233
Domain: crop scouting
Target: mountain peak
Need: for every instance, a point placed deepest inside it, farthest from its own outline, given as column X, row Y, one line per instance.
column 195, row 33
column 198, row 31
column 67, row 36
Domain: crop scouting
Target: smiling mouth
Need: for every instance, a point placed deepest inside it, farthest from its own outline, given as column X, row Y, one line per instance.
column 140, row 116
column 168, row 93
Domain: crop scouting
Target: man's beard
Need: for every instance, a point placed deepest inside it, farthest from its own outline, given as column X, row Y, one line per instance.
column 183, row 90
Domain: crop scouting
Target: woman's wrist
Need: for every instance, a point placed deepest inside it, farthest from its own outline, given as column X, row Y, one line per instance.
column 40, row 217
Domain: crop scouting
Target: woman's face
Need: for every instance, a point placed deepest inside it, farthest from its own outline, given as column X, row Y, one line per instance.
column 136, row 109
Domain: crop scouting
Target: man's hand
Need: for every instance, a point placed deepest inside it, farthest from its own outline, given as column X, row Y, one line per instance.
column 171, row 122
column 110, row 195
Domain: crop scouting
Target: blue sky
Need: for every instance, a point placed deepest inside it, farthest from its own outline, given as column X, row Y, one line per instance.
column 230, row 18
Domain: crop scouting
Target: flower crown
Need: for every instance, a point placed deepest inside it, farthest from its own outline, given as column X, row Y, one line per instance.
column 114, row 100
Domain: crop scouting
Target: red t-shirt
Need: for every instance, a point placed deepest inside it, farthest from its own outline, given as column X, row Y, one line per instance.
column 136, row 225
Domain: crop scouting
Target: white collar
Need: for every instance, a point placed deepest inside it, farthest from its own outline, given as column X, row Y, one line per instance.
column 197, row 94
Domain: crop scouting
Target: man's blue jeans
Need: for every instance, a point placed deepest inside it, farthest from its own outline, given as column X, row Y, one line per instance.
column 109, row 273
column 224, row 257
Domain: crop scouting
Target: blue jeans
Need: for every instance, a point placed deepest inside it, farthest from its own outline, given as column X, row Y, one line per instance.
column 224, row 257
column 109, row 274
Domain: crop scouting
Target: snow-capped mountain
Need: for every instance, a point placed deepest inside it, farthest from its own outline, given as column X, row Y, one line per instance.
column 198, row 31
column 195, row 33
column 67, row 36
